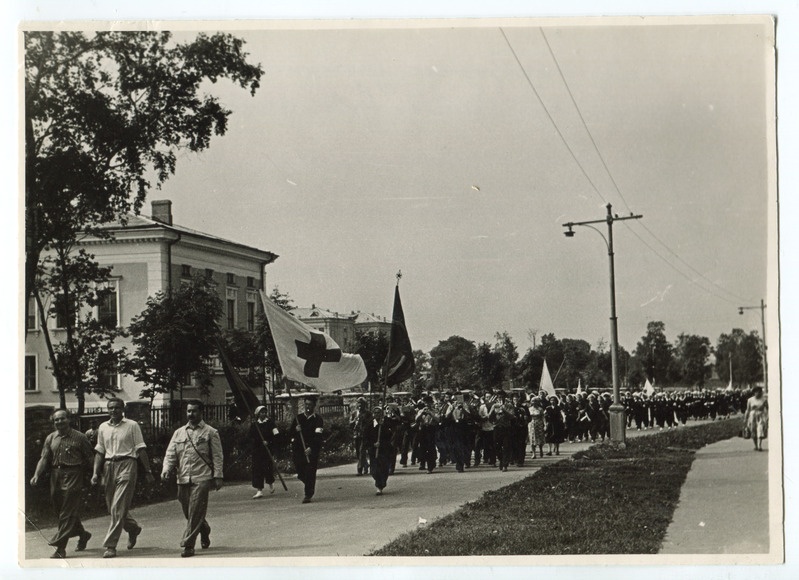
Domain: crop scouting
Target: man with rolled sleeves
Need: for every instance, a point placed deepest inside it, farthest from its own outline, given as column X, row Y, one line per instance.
column 119, row 447
column 67, row 453
column 195, row 450
column 306, row 445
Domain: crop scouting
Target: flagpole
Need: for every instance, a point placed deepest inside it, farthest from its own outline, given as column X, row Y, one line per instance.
column 251, row 413
column 296, row 420
column 385, row 372
column 557, row 373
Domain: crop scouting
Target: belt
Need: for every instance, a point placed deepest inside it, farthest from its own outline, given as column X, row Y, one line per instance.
column 66, row 466
column 119, row 458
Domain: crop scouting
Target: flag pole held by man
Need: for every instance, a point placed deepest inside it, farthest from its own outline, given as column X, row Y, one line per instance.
column 312, row 358
column 399, row 367
column 246, row 401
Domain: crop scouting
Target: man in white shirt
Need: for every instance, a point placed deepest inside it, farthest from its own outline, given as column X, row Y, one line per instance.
column 119, row 445
column 195, row 451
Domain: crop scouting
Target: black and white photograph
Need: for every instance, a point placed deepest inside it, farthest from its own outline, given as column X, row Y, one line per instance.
column 490, row 291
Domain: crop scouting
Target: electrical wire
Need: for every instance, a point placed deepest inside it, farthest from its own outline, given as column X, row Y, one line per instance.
column 612, row 179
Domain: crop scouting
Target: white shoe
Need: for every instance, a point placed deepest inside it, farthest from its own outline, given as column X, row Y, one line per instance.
column 258, row 494
column 271, row 488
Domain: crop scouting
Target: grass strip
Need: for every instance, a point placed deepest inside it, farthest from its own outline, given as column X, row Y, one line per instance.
column 600, row 501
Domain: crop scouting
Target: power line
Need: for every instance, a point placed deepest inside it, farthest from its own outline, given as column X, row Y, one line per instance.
column 551, row 120
column 618, row 191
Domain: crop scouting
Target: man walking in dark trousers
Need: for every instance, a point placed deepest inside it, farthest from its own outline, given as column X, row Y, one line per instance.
column 306, row 446
column 68, row 455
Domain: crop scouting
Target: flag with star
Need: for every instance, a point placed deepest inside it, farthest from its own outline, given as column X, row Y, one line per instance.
column 309, row 356
column 400, row 362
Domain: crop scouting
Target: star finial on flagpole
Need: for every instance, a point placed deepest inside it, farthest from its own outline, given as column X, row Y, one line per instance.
column 399, row 275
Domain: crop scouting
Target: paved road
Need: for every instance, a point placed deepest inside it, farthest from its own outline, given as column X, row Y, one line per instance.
column 723, row 505
column 345, row 519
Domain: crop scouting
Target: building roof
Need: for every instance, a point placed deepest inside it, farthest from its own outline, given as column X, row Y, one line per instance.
column 135, row 222
column 319, row 314
column 364, row 318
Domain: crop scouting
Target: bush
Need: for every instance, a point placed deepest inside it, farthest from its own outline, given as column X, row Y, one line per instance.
column 237, row 450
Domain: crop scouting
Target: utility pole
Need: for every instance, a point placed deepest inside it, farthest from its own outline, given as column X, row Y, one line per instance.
column 762, row 308
column 617, row 422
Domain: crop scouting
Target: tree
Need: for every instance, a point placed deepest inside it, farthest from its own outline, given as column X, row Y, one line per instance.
column 175, row 337
column 655, row 352
column 508, row 355
column 373, row 348
column 105, row 114
column 691, row 359
column 487, row 367
column 452, row 363
column 421, row 372
column 86, row 358
column 745, row 353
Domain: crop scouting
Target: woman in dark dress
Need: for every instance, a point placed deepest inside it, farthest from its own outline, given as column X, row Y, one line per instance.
column 555, row 427
column 262, row 467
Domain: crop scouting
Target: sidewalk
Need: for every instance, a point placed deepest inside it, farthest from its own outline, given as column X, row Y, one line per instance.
column 723, row 505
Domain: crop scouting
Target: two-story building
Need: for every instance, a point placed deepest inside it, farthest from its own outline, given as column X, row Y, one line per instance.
column 148, row 255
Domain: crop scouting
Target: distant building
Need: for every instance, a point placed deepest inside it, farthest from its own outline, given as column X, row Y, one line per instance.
column 342, row 327
column 371, row 323
column 148, row 255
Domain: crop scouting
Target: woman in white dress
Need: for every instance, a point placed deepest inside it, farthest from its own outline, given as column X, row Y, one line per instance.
column 756, row 417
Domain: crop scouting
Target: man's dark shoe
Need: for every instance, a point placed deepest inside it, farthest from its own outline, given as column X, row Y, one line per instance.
column 132, row 537
column 83, row 539
column 205, row 540
column 306, row 500
column 59, row 554
column 187, row 553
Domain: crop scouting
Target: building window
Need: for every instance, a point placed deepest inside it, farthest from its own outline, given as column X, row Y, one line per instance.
column 250, row 282
column 209, row 273
column 185, row 271
column 32, row 320
column 231, row 278
column 250, row 315
column 230, row 307
column 31, row 383
column 63, row 311
column 108, row 305
column 107, row 376
column 231, row 314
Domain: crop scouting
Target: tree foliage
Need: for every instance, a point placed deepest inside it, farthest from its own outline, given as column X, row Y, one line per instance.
column 487, row 367
column 421, row 372
column 71, row 283
column 106, row 115
column 373, row 348
column 691, row 356
column 452, row 363
column 175, row 337
column 655, row 352
column 745, row 352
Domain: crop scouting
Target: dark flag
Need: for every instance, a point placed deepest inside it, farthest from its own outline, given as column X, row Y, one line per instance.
column 243, row 395
column 399, row 362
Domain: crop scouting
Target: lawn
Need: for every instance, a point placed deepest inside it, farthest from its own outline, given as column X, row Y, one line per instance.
column 600, row 501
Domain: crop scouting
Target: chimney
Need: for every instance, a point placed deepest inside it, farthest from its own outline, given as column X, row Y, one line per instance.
column 162, row 211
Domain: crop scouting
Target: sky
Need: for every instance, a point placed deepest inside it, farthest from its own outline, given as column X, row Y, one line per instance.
column 456, row 153
column 389, row 135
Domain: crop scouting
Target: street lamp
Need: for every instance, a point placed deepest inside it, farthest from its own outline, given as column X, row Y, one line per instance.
column 762, row 309
column 617, row 422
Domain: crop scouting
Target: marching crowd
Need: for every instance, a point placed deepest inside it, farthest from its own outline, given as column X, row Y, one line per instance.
column 495, row 428
column 466, row 429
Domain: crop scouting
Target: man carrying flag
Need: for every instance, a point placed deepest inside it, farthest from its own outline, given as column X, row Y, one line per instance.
column 312, row 358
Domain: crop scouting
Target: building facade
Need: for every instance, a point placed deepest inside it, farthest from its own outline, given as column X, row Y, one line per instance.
column 150, row 255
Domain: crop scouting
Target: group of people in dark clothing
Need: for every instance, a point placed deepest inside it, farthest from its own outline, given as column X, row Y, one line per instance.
column 497, row 428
